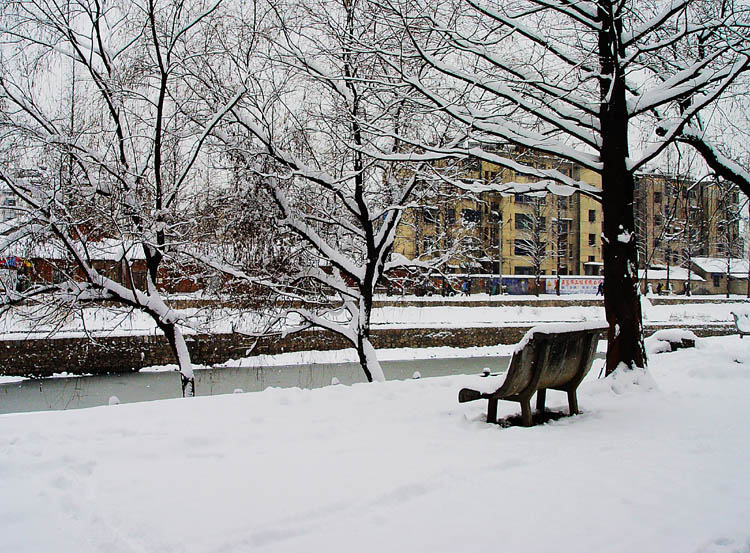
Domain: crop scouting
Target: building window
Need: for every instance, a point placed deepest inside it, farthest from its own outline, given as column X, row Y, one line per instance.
column 450, row 217
column 592, row 258
column 430, row 215
column 522, row 199
column 592, row 215
column 592, row 239
column 717, row 280
column 523, row 271
column 657, row 197
column 523, row 221
column 520, row 247
column 470, row 215
column 658, row 220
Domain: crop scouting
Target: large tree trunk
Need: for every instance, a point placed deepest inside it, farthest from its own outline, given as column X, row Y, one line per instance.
column 368, row 358
column 181, row 353
column 621, row 299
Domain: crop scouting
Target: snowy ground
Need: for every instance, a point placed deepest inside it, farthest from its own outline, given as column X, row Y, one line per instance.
column 654, row 464
column 117, row 322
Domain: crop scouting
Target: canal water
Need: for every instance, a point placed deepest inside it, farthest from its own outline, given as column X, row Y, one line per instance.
column 90, row 391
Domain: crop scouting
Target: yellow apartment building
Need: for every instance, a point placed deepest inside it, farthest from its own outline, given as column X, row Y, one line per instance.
column 488, row 232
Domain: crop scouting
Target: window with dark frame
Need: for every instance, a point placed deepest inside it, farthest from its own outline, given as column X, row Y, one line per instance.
column 430, row 215
column 523, row 221
column 470, row 215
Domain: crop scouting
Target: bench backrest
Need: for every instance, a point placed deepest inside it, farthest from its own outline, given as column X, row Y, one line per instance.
column 554, row 359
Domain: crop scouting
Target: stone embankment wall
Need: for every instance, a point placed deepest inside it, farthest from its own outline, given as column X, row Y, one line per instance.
column 44, row 357
column 544, row 300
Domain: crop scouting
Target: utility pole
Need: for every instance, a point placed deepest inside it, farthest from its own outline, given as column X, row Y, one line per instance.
column 559, row 242
column 500, row 247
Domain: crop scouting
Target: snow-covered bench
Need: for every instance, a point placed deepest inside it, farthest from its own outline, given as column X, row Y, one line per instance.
column 741, row 323
column 555, row 357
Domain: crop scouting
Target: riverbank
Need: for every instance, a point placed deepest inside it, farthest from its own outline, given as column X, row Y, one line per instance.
column 114, row 344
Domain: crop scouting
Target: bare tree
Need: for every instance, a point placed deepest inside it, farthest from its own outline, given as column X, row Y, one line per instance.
column 126, row 159
column 535, row 235
column 319, row 124
column 573, row 80
column 728, row 215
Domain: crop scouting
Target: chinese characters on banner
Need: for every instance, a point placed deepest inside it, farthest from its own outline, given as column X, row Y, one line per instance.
column 574, row 285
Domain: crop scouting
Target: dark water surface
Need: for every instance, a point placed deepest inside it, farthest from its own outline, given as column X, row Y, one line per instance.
column 90, row 391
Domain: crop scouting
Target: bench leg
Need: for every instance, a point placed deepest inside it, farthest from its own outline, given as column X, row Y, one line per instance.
column 541, row 396
column 492, row 411
column 526, row 412
column 572, row 402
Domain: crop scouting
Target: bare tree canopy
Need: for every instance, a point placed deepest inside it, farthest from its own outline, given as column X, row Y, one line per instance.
column 100, row 100
column 328, row 129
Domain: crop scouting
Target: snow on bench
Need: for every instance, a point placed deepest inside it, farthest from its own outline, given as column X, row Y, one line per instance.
column 556, row 356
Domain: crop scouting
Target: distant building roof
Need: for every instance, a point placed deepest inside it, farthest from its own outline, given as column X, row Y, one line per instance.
column 675, row 273
column 738, row 267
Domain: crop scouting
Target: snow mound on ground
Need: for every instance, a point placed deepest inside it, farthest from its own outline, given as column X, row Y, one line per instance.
column 674, row 334
column 656, row 346
column 661, row 341
column 726, row 545
column 624, row 381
